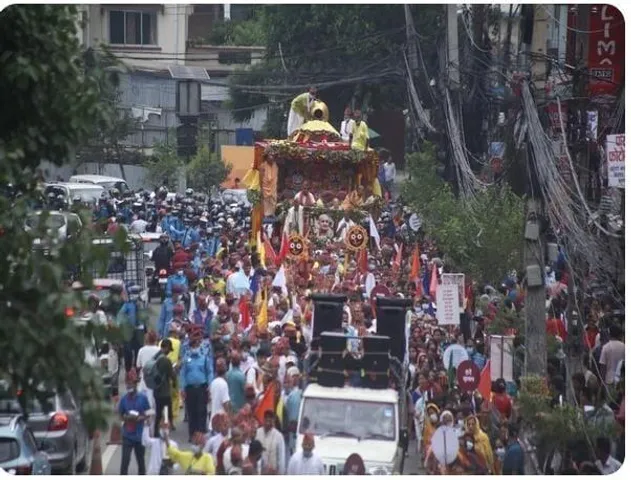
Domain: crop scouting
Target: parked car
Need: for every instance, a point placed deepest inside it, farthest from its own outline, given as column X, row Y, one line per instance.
column 60, row 225
column 19, row 453
column 104, row 181
column 88, row 193
column 58, row 430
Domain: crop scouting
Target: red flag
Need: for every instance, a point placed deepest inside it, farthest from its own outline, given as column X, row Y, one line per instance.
column 433, row 284
column 284, row 250
column 266, row 403
column 270, row 254
column 415, row 269
column 244, row 309
column 484, row 387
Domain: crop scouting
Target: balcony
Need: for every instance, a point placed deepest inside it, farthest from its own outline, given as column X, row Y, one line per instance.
column 222, row 59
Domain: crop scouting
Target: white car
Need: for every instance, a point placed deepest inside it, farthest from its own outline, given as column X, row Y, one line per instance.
column 353, row 420
column 104, row 181
column 88, row 193
column 59, row 225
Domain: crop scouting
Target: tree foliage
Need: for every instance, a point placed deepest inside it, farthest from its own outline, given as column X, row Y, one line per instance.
column 482, row 238
column 164, row 166
column 243, row 33
column 354, row 51
column 50, row 102
column 206, row 170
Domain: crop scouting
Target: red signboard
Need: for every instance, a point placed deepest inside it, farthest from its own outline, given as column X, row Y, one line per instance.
column 606, row 50
column 468, row 376
column 557, row 117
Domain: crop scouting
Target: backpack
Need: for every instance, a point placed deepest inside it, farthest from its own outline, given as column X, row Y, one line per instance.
column 150, row 372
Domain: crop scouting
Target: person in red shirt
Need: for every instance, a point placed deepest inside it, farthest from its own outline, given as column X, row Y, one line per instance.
column 181, row 258
column 501, row 400
column 555, row 326
column 591, row 332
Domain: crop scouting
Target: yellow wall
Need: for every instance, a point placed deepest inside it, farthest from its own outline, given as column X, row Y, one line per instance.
column 241, row 159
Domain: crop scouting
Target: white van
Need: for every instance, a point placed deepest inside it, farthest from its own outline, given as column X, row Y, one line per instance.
column 89, row 193
column 106, row 182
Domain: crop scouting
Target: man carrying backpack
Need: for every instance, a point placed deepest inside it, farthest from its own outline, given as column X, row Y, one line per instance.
column 159, row 376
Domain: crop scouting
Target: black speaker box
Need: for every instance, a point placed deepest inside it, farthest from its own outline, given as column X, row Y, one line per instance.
column 391, row 323
column 331, row 367
column 327, row 314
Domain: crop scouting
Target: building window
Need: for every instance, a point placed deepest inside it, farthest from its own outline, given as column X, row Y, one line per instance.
column 133, row 28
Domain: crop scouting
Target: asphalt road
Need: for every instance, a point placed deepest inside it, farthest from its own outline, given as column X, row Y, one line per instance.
column 111, row 455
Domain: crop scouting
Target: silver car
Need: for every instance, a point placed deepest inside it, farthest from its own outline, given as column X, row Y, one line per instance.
column 57, row 426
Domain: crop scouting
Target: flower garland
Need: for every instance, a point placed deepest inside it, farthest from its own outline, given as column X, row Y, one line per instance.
column 357, row 216
column 321, row 153
column 254, row 196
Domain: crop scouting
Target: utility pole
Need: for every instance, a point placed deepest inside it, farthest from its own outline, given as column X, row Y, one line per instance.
column 508, row 40
column 411, row 41
column 452, row 46
column 534, row 238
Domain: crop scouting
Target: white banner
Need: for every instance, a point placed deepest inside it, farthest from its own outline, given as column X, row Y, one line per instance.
column 447, row 309
column 615, row 160
column 501, row 357
column 455, row 279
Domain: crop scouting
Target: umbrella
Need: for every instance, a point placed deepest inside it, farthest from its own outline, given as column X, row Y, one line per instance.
column 372, row 134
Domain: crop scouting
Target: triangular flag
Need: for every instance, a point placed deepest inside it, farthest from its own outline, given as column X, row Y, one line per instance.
column 284, row 250
column 374, row 233
column 415, row 268
column 261, row 321
column 271, row 258
column 484, row 387
column 266, row 403
column 260, row 249
column 280, row 280
column 433, row 284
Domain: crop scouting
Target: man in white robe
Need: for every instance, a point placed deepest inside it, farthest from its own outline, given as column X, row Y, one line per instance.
column 306, row 462
column 346, row 128
column 294, row 221
column 300, row 110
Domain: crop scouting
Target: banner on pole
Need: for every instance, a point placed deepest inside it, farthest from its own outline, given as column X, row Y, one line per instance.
column 447, row 309
column 456, row 279
column 615, row 160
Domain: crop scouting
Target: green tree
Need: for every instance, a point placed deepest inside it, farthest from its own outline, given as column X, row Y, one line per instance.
column 481, row 238
column 355, row 50
column 206, row 170
column 164, row 166
column 50, row 104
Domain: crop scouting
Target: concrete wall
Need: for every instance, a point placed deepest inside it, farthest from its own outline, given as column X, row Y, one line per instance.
column 171, row 34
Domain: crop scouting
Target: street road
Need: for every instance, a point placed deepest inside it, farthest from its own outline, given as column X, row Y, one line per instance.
column 111, row 454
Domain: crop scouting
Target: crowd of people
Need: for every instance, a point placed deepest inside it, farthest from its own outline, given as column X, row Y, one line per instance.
column 230, row 348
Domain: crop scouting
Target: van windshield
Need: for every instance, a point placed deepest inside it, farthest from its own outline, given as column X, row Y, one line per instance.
column 53, row 221
column 348, row 418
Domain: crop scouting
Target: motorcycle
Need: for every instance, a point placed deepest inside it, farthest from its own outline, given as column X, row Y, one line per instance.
column 158, row 284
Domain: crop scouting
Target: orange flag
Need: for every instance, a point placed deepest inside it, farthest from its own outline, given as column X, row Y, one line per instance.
column 433, row 283
column 416, row 265
column 484, row 387
column 266, row 403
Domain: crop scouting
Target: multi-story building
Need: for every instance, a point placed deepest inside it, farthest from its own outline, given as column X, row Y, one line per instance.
column 161, row 44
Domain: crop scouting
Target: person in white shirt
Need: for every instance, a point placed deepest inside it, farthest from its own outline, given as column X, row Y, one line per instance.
column 273, row 442
column 139, row 225
column 389, row 173
column 254, row 375
column 145, row 354
column 219, row 393
column 347, row 125
column 306, row 462
column 220, row 429
column 156, row 446
column 605, row 463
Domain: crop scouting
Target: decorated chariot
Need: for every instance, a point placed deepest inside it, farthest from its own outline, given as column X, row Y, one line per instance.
column 304, row 186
